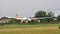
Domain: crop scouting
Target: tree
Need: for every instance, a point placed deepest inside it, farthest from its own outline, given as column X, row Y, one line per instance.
column 42, row 13
column 4, row 17
column 58, row 18
column 50, row 14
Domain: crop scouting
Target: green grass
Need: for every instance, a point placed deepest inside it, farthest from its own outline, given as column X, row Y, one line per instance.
column 27, row 26
column 24, row 29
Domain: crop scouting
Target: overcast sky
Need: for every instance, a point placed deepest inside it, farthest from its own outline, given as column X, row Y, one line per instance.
column 27, row 7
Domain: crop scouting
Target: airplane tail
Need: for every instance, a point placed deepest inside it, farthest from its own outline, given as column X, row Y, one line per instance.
column 17, row 16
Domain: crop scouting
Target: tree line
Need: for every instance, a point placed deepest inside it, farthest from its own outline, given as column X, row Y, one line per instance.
column 38, row 14
column 42, row 13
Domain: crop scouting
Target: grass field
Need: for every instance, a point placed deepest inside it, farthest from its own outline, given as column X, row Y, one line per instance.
column 30, row 29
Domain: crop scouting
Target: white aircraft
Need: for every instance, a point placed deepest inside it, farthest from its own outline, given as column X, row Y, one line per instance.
column 25, row 19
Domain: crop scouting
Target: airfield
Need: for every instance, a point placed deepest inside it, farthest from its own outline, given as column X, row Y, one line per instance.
column 30, row 29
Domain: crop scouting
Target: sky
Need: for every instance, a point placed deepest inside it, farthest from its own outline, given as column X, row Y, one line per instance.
column 27, row 8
